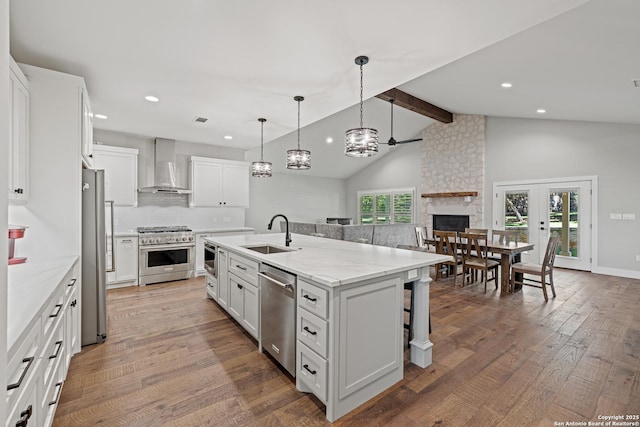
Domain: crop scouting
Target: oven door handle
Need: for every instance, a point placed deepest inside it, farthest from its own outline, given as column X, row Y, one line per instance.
column 169, row 246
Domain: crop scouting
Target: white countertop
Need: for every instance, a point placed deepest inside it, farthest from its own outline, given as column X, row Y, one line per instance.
column 29, row 286
column 328, row 261
column 222, row 230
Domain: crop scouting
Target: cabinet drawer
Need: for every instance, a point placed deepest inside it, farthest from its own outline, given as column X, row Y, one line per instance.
column 22, row 364
column 51, row 396
column 313, row 298
column 53, row 352
column 212, row 287
column 244, row 268
column 53, row 311
column 25, row 409
column 312, row 331
column 71, row 281
column 312, row 371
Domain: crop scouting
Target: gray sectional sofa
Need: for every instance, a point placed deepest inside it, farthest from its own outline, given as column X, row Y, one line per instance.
column 390, row 235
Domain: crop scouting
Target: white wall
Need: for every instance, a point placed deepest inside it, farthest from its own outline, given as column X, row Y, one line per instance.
column 4, row 151
column 301, row 198
column 518, row 149
column 170, row 209
column 398, row 169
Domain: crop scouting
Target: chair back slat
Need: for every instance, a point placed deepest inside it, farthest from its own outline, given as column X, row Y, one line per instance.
column 474, row 246
column 477, row 230
column 446, row 242
column 421, row 236
column 504, row 236
column 550, row 252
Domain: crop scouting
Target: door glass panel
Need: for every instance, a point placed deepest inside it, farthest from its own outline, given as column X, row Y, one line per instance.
column 563, row 221
column 516, row 214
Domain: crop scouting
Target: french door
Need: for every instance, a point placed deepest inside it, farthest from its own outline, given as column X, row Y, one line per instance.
column 539, row 210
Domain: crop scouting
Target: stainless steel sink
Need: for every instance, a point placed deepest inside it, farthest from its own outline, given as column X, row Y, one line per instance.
column 267, row 249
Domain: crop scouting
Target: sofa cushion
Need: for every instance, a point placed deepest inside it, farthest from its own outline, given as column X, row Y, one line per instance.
column 394, row 234
column 332, row 231
column 358, row 233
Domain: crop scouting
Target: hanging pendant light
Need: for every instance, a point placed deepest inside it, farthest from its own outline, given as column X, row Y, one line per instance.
column 297, row 158
column 362, row 141
column 261, row 169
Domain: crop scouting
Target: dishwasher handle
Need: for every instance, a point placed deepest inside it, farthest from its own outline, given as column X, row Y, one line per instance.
column 277, row 282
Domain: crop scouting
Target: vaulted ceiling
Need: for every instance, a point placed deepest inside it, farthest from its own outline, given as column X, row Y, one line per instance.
column 233, row 62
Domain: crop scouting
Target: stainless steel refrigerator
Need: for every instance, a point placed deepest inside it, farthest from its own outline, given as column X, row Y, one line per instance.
column 94, row 275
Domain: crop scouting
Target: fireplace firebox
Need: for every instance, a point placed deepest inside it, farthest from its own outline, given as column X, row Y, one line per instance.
column 450, row 222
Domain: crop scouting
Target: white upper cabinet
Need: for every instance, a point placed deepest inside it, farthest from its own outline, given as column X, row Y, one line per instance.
column 120, row 173
column 19, row 142
column 87, row 129
column 219, row 183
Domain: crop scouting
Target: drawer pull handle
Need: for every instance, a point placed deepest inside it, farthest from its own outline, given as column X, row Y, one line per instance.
column 58, row 308
column 72, row 282
column 28, row 361
column 57, row 352
column 310, row 331
column 309, row 298
column 239, row 285
column 54, row 401
column 311, row 371
column 241, row 267
column 24, row 417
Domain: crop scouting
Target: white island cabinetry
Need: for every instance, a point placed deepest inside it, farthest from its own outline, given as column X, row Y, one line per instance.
column 218, row 183
column 349, row 322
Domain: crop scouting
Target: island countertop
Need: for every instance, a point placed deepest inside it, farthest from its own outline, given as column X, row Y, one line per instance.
column 327, row 261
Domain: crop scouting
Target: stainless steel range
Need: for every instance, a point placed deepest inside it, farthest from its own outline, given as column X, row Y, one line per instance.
column 165, row 254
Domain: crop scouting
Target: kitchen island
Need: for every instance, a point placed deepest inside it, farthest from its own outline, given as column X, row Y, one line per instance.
column 349, row 309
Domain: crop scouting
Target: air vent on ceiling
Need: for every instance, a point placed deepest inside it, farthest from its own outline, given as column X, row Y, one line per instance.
column 200, row 119
column 636, row 82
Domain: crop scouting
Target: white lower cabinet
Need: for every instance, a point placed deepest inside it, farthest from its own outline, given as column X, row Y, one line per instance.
column 311, row 369
column 237, row 289
column 125, row 255
column 39, row 359
column 212, row 287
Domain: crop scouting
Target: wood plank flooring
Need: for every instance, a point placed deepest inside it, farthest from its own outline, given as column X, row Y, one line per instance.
column 174, row 358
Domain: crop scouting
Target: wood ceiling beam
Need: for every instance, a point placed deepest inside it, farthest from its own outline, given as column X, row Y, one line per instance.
column 417, row 105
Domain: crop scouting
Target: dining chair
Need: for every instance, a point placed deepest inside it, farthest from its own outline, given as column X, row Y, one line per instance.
column 447, row 244
column 504, row 236
column 475, row 257
column 477, row 230
column 421, row 238
column 541, row 271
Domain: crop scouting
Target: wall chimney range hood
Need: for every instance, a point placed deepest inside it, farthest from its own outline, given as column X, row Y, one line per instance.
column 164, row 176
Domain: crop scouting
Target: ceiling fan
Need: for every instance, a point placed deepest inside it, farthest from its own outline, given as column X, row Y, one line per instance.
column 392, row 140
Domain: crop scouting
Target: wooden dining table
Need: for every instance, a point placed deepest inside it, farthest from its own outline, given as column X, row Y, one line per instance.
column 509, row 253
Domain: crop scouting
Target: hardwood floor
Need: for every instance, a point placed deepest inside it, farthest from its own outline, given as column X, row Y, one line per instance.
column 172, row 357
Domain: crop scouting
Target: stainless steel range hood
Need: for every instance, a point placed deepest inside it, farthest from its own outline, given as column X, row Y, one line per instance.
column 164, row 176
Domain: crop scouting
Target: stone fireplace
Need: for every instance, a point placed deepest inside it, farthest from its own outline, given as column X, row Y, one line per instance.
column 452, row 162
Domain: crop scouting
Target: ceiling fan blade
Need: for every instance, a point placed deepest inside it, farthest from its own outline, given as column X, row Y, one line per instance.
column 408, row 140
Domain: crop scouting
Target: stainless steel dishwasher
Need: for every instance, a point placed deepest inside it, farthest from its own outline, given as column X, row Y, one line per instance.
column 278, row 315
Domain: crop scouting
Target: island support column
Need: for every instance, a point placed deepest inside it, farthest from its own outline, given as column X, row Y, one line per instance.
column 420, row 344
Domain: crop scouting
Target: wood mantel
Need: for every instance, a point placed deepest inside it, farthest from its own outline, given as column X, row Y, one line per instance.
column 452, row 194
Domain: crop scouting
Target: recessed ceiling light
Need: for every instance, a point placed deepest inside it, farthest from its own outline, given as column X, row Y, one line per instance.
column 152, row 98
column 541, row 111
column 506, row 84
column 228, row 137
column 100, row 116
column 329, row 140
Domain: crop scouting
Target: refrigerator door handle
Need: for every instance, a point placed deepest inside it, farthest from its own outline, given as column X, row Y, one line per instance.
column 113, row 246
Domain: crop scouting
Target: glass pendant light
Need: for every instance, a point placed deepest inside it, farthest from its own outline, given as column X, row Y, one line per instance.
column 261, row 169
column 362, row 141
column 297, row 158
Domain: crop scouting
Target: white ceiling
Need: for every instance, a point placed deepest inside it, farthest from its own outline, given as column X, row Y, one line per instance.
column 233, row 62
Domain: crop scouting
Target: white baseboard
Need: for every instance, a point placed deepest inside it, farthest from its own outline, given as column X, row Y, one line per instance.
column 631, row 274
